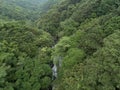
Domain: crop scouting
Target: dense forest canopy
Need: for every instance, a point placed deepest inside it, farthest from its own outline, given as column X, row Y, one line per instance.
column 23, row 9
column 59, row 45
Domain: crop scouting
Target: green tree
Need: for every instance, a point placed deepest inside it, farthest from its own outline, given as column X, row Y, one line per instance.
column 102, row 70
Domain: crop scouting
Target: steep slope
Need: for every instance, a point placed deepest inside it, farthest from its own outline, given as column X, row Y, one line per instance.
column 24, row 57
column 80, row 37
column 87, row 50
column 21, row 9
column 25, row 51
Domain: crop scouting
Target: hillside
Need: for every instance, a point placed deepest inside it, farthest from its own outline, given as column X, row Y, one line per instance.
column 21, row 9
column 88, row 42
column 74, row 45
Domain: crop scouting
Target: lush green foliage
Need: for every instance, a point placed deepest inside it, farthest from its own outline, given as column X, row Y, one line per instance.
column 88, row 34
column 21, row 9
column 22, row 58
column 81, row 37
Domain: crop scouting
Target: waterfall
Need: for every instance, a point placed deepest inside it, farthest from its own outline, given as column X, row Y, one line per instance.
column 57, row 64
column 54, row 76
column 54, row 70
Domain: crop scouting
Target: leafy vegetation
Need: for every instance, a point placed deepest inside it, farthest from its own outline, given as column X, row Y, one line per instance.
column 22, row 57
column 80, row 37
column 21, row 9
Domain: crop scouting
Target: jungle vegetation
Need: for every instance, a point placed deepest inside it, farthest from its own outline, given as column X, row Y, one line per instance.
column 81, row 37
